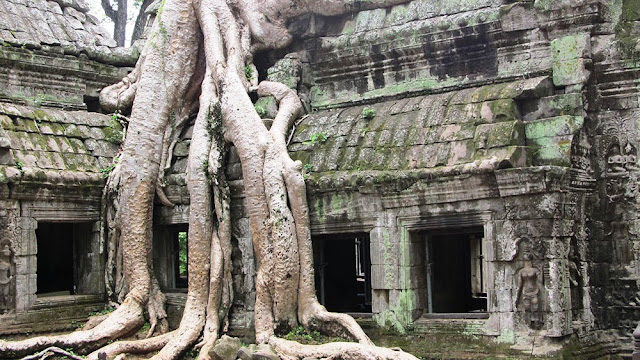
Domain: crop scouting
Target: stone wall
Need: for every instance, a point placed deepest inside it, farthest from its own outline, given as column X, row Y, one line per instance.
column 54, row 158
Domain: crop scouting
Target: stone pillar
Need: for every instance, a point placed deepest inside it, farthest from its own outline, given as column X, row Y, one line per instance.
column 384, row 277
column 8, row 229
column 25, row 251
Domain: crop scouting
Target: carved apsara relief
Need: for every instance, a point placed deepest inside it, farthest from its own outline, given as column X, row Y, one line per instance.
column 529, row 280
column 621, row 162
column 6, row 278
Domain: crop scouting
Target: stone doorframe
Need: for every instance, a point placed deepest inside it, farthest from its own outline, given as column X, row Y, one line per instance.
column 399, row 285
column 26, row 245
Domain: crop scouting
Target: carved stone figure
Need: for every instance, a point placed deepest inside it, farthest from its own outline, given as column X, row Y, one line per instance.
column 630, row 156
column 580, row 153
column 528, row 297
column 528, row 289
column 5, row 279
column 615, row 159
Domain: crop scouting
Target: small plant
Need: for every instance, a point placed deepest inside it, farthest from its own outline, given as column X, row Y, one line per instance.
column 301, row 335
column 248, row 72
column 182, row 253
column 317, row 138
column 146, row 327
column 306, row 171
column 298, row 333
column 115, row 132
column 72, row 353
column 368, row 113
column 19, row 164
column 106, row 171
column 262, row 112
column 106, row 310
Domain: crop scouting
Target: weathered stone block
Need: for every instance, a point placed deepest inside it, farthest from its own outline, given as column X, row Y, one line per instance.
column 553, row 150
column 241, row 228
column 559, row 324
column 516, row 17
column 25, row 265
column 507, row 327
column 553, row 106
column 499, row 134
column 556, row 126
column 286, row 71
column 412, row 277
column 571, row 47
column 599, row 275
column 383, row 252
column 379, row 300
column 504, row 300
column 569, row 72
column 384, row 276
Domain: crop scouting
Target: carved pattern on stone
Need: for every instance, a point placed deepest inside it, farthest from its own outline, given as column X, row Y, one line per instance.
column 581, row 153
column 6, row 278
column 615, row 158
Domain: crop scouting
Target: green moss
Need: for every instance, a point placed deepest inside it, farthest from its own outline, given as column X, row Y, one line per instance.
column 556, row 126
column 40, row 115
column 570, row 46
column 631, row 10
column 503, row 109
column 114, row 132
column 550, row 151
column 368, row 113
column 313, row 337
column 319, row 210
column 627, row 40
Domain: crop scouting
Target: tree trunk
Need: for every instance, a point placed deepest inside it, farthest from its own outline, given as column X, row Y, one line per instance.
column 141, row 21
column 120, row 23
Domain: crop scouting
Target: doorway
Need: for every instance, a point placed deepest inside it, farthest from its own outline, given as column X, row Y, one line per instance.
column 60, row 260
column 456, row 271
column 343, row 272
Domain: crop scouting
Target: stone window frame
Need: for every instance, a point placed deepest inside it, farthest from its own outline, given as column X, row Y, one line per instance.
column 410, row 226
column 26, row 248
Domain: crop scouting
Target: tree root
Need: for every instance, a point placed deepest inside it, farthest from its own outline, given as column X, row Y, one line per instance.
column 123, row 321
column 143, row 346
column 336, row 350
column 51, row 351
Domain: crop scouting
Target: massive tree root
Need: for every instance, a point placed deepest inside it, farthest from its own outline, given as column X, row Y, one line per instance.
column 194, row 65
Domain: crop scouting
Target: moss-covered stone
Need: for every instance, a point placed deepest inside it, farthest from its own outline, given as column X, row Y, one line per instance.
column 571, row 47
column 556, row 126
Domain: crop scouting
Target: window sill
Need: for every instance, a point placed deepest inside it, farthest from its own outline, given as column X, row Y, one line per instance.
column 43, row 302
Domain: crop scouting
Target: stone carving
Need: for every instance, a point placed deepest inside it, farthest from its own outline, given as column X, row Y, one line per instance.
column 581, row 153
column 621, row 163
column 575, row 276
column 630, row 157
column 622, row 156
column 529, row 279
column 6, row 277
column 615, row 159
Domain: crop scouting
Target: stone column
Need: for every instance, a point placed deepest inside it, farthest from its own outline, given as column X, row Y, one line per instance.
column 25, row 251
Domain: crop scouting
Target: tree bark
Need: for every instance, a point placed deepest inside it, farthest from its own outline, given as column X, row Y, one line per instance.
column 141, row 21
column 119, row 18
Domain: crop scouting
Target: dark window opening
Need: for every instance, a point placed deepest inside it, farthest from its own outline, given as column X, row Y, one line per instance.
column 61, row 259
column 181, row 269
column 455, row 271
column 343, row 272
column 92, row 103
